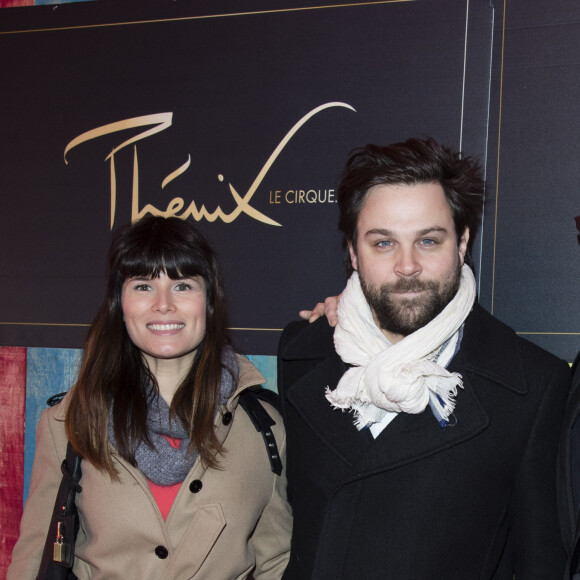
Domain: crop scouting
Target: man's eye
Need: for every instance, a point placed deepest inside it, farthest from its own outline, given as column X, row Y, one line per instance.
column 428, row 242
column 384, row 244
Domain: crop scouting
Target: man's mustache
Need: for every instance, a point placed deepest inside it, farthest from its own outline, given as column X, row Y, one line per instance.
column 409, row 285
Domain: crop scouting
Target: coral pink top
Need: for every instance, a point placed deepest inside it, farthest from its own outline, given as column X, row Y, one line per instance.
column 164, row 495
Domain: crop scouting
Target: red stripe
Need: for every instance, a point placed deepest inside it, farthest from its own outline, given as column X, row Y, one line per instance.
column 15, row 3
column 12, row 412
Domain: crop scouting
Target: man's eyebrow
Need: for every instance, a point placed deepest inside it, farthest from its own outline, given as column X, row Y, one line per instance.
column 379, row 232
column 432, row 230
column 423, row 232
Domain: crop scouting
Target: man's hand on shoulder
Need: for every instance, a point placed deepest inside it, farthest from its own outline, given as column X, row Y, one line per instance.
column 327, row 308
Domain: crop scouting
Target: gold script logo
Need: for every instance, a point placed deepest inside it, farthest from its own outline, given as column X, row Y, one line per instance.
column 175, row 208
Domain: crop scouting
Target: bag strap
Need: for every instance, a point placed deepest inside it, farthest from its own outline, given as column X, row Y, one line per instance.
column 64, row 524
column 250, row 402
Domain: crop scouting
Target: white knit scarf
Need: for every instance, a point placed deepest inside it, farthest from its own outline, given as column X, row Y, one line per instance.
column 402, row 377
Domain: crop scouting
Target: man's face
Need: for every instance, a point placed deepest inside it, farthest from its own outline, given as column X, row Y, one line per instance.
column 407, row 255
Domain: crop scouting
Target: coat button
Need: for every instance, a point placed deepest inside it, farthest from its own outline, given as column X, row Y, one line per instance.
column 227, row 418
column 195, row 486
column 161, row 552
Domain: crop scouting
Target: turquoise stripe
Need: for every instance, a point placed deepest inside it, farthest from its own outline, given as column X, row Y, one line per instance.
column 267, row 366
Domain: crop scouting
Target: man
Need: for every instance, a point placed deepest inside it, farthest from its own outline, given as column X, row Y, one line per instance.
column 421, row 440
column 569, row 477
column 569, row 472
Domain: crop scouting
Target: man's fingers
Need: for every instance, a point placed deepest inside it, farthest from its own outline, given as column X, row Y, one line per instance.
column 331, row 310
column 327, row 308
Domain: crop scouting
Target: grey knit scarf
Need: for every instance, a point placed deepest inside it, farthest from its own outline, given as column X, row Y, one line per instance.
column 160, row 462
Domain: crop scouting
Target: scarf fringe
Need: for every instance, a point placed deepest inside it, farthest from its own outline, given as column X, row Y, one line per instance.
column 403, row 377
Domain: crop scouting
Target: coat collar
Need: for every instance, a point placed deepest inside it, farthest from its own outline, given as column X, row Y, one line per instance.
column 486, row 346
column 248, row 376
column 333, row 427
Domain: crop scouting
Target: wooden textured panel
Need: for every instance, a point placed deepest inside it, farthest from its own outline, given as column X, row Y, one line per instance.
column 15, row 3
column 12, row 403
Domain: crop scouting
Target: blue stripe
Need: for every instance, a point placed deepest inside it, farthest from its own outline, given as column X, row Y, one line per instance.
column 48, row 371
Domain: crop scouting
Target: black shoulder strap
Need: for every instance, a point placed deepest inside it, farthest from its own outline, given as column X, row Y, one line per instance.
column 250, row 402
column 64, row 524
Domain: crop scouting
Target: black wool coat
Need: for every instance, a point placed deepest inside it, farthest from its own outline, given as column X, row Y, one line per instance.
column 475, row 501
column 569, row 477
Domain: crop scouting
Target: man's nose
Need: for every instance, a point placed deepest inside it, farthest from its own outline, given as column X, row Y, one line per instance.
column 407, row 262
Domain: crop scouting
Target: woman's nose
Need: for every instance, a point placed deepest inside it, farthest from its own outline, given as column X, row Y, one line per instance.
column 164, row 301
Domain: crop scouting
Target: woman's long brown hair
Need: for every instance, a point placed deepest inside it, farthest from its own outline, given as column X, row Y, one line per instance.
column 114, row 382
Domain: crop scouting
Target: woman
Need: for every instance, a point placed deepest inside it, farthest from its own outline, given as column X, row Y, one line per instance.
column 176, row 480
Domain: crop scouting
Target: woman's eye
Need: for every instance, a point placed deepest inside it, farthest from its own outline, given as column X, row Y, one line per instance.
column 142, row 287
column 182, row 286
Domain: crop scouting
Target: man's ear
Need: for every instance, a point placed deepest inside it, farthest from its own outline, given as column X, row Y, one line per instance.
column 352, row 253
column 462, row 249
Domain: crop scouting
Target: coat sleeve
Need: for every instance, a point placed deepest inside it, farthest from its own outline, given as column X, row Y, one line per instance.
column 271, row 538
column 535, row 541
column 44, row 483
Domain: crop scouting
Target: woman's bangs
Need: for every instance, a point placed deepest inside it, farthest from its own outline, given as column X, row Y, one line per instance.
column 183, row 263
column 142, row 262
column 153, row 260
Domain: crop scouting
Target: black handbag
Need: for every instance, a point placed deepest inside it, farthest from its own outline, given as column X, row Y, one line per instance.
column 59, row 549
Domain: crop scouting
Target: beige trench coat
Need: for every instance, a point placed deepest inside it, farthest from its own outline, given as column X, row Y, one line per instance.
column 239, row 522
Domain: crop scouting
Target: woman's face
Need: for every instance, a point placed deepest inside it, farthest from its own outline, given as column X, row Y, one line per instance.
column 165, row 318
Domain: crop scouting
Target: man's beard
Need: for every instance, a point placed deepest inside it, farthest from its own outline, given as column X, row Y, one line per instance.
column 404, row 316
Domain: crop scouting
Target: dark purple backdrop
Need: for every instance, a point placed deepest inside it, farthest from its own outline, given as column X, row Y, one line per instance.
column 235, row 85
